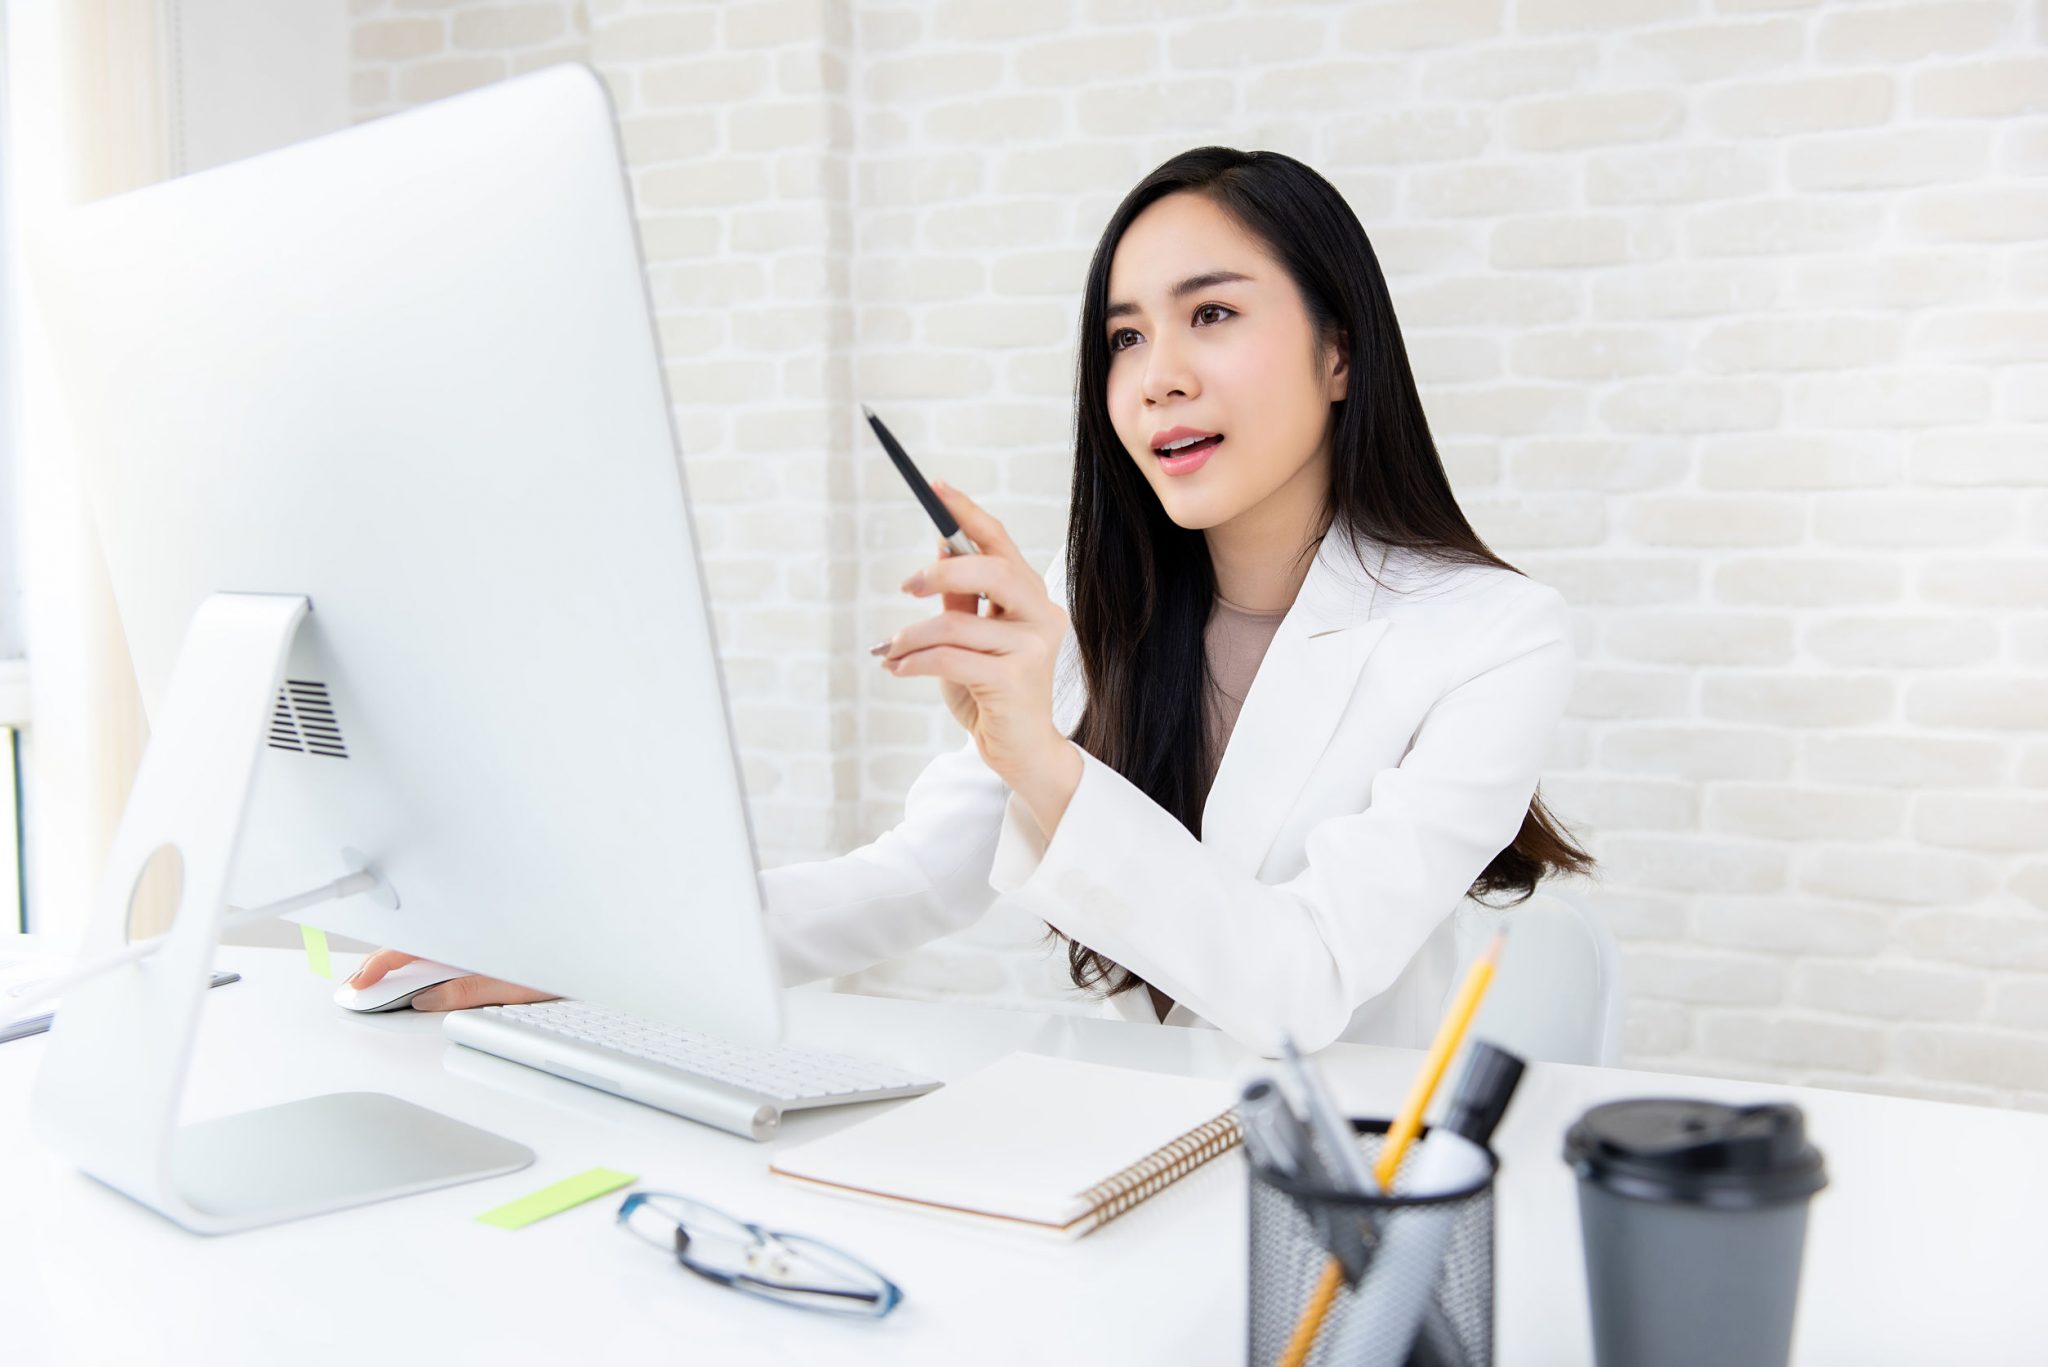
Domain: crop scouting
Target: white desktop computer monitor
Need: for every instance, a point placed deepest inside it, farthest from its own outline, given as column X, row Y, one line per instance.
column 409, row 373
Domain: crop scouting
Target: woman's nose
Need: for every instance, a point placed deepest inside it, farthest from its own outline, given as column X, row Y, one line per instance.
column 1167, row 373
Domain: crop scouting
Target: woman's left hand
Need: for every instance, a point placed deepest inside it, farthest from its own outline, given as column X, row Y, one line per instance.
column 995, row 668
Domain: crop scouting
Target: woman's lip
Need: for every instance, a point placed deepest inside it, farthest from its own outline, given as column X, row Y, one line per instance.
column 1188, row 464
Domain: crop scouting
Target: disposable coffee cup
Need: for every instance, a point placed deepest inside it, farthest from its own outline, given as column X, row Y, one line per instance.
column 1693, row 1216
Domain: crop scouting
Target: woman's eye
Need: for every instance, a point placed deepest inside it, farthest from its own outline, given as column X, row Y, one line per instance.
column 1208, row 314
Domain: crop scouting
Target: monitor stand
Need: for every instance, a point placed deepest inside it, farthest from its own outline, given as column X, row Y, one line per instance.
column 108, row 1093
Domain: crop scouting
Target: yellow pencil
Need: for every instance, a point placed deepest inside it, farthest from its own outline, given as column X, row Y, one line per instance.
column 1407, row 1123
column 1449, row 1036
column 1319, row 1301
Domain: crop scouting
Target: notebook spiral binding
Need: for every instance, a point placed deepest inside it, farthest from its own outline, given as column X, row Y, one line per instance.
column 1112, row 1197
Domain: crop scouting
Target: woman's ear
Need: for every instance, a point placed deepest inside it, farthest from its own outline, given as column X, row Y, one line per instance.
column 1339, row 381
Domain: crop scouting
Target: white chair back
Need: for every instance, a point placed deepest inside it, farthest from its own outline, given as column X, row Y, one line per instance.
column 1557, row 995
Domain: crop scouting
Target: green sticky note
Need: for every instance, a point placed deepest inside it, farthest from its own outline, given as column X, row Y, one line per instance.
column 316, row 950
column 570, row 1191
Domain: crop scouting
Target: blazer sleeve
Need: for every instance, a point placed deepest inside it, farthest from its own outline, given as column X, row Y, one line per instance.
column 926, row 877
column 1125, row 878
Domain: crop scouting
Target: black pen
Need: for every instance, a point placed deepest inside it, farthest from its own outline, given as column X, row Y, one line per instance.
column 956, row 540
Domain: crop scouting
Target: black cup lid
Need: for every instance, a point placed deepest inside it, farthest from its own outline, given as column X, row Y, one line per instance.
column 1696, row 1152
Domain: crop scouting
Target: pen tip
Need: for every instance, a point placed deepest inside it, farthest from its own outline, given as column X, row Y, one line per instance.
column 867, row 412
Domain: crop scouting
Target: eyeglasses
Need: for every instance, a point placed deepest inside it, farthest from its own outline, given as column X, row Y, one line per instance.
column 791, row 1269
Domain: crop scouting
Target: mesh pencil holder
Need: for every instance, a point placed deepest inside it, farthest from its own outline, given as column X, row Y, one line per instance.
column 1288, row 1258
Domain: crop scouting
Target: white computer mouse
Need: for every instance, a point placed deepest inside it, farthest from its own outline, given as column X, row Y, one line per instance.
column 396, row 988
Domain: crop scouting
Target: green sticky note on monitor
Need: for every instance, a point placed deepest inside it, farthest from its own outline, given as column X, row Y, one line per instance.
column 570, row 1191
column 316, row 950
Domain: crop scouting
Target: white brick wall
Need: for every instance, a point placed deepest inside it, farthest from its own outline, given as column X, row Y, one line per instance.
column 1731, row 317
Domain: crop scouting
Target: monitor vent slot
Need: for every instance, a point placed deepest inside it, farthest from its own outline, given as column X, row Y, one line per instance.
column 303, row 721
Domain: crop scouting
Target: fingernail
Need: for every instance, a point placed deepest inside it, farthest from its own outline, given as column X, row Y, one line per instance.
column 425, row 1001
column 914, row 584
column 357, row 974
column 941, row 484
column 879, row 648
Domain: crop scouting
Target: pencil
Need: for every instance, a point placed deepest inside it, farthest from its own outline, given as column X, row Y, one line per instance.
column 1449, row 1036
column 1311, row 1319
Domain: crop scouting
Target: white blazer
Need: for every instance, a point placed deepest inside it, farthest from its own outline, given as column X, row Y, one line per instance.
column 1387, row 750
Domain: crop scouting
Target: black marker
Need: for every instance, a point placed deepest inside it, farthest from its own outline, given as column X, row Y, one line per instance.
column 956, row 540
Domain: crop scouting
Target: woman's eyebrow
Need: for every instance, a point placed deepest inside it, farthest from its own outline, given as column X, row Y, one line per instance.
column 1180, row 291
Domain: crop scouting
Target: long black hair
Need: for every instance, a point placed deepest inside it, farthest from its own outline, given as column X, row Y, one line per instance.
column 1140, row 587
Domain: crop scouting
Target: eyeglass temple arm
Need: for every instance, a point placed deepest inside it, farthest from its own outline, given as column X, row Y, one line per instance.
column 869, row 1296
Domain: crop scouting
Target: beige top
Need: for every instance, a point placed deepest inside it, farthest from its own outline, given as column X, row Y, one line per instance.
column 1235, row 641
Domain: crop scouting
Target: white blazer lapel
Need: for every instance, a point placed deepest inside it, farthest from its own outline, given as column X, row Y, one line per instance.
column 1300, row 690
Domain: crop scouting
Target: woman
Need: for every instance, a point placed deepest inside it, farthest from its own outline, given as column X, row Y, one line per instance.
column 1255, row 497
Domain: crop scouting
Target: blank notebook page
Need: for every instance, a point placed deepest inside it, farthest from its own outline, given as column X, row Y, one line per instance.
column 1028, row 1138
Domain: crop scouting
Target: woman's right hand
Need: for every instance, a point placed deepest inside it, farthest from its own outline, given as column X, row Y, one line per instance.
column 457, row 994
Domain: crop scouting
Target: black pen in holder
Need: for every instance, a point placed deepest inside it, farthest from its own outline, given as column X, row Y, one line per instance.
column 1289, row 1255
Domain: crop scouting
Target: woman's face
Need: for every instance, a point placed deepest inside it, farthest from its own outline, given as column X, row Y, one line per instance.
column 1208, row 335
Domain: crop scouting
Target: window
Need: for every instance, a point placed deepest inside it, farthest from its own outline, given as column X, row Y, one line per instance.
column 13, row 668
column 13, row 875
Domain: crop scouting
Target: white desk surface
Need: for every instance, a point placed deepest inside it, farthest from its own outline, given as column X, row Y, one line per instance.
column 1930, row 1244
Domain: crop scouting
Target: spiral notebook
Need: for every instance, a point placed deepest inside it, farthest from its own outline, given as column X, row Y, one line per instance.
column 1053, row 1144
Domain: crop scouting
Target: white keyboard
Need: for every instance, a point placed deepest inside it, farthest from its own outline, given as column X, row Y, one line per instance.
column 700, row 1077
